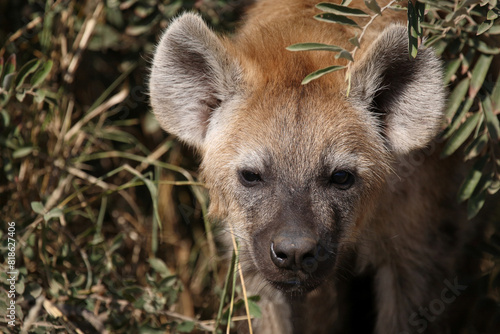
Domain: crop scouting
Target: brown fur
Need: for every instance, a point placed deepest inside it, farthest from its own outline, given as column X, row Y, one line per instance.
column 239, row 101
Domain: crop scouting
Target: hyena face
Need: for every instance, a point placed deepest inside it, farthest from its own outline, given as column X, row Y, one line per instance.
column 295, row 169
column 293, row 193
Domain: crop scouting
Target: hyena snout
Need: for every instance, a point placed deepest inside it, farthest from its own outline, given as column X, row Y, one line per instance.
column 295, row 252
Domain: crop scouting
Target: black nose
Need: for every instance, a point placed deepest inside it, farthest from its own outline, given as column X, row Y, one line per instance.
column 294, row 253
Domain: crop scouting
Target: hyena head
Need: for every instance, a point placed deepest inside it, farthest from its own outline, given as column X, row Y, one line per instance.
column 295, row 170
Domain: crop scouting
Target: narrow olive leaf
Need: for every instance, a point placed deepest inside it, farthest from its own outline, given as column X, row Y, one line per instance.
column 491, row 119
column 340, row 10
column 10, row 64
column 458, row 118
column 479, row 73
column 459, row 137
column 450, row 69
column 373, row 6
column 484, row 27
column 483, row 47
column 398, row 8
column 8, row 80
column 471, row 180
column 314, row 47
column 413, row 30
column 28, row 68
column 41, row 73
column 456, row 97
column 319, row 73
column 159, row 266
column 495, row 97
column 1, row 66
column 332, row 18
column 22, row 152
column 475, row 147
column 478, row 198
column 346, row 2
column 344, row 54
column 355, row 41
column 468, row 57
column 230, row 273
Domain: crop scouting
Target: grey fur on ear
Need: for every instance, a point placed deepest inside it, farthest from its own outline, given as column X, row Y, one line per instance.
column 191, row 76
column 407, row 97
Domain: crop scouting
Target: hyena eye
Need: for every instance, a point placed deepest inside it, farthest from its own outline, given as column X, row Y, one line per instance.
column 249, row 178
column 342, row 179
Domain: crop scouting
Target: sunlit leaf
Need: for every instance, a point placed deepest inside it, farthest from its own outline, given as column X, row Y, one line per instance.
column 319, row 73
column 450, row 70
column 22, row 152
column 456, row 97
column 332, row 18
column 314, row 47
column 340, row 10
column 159, row 266
column 479, row 73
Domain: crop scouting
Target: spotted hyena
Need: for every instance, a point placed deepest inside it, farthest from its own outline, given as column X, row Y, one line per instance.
column 315, row 182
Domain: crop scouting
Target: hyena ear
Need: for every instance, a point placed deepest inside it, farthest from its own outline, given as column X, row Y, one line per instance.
column 191, row 76
column 405, row 96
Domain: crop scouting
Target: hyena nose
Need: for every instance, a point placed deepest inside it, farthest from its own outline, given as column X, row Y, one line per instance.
column 294, row 253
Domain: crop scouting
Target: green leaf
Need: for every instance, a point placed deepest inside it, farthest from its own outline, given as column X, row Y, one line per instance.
column 484, row 27
column 314, row 47
column 254, row 309
column 332, row 18
column 475, row 147
column 479, row 73
column 8, row 80
column 450, row 70
column 456, row 97
column 22, row 152
column 185, row 327
column 495, row 97
column 478, row 198
column 159, row 266
column 37, row 207
column 10, row 65
column 54, row 213
column 415, row 17
column 373, row 6
column 491, row 119
column 28, row 68
column 483, row 47
column 491, row 15
column 346, row 2
column 319, row 73
column 475, row 204
column 471, row 180
column 344, row 54
column 354, row 40
column 459, row 137
column 41, row 73
column 340, row 10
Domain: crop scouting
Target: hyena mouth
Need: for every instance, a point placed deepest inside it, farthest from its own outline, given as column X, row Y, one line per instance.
column 297, row 286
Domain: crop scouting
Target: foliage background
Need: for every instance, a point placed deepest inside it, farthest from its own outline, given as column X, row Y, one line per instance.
column 83, row 162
